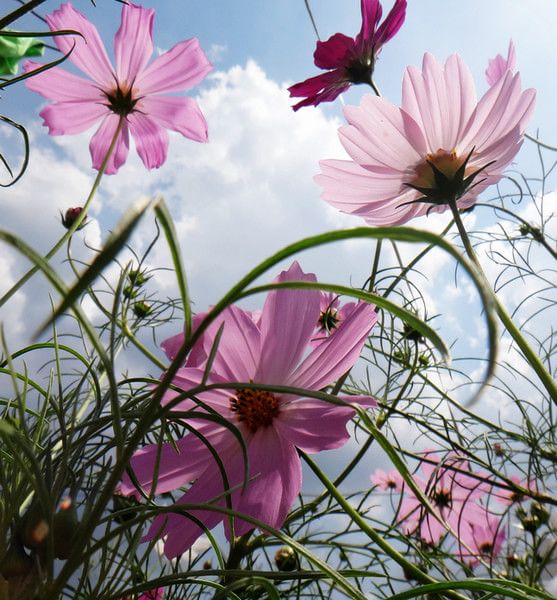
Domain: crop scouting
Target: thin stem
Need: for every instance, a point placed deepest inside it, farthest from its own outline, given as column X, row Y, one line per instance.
column 528, row 353
column 75, row 225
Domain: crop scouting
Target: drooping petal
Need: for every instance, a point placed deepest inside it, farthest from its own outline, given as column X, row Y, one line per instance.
column 332, row 53
column 133, row 42
column 151, row 140
column 181, row 114
column 302, row 421
column 59, row 85
column 275, row 481
column 72, row 117
column 100, row 143
column 392, row 23
column 87, row 50
column 178, row 463
column 182, row 67
column 287, row 323
column 321, row 88
column 336, row 355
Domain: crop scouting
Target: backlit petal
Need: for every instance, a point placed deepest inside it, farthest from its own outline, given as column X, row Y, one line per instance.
column 133, row 42
column 181, row 114
column 151, row 140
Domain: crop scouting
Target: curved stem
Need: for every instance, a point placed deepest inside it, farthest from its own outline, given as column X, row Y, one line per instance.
column 75, row 225
column 528, row 353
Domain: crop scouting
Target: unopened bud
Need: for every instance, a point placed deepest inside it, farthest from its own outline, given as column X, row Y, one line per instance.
column 208, row 564
column 16, row 562
column 540, row 511
column 413, row 334
column 286, row 559
column 137, row 278
column 64, row 526
column 130, row 292
column 71, row 216
column 142, row 309
column 35, row 528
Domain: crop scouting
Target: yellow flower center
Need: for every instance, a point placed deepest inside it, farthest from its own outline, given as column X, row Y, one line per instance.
column 255, row 408
column 447, row 162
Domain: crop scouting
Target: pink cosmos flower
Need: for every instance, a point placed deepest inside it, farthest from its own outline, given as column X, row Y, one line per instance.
column 498, row 66
column 481, row 535
column 273, row 351
column 451, row 491
column 132, row 91
column 441, row 145
column 349, row 60
column 508, row 496
column 387, row 481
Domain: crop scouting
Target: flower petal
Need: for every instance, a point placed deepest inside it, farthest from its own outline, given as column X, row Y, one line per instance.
column 87, row 50
column 177, row 463
column 151, row 140
column 301, row 422
column 332, row 53
column 498, row 66
column 59, row 85
column 336, row 355
column 72, row 117
column 100, row 143
column 392, row 23
column 133, row 42
column 321, row 88
column 182, row 67
column 275, row 481
column 287, row 323
column 371, row 15
column 181, row 114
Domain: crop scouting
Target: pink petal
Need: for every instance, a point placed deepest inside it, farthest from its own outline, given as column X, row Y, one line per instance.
column 275, row 481
column 151, row 140
column 301, row 422
column 178, row 462
column 172, row 345
column 133, row 42
column 100, row 143
column 287, row 323
column 72, row 117
column 87, row 51
column 333, row 52
column 392, row 23
column 238, row 350
column 336, row 355
column 381, row 135
column 59, row 85
column 440, row 100
column 180, row 114
column 182, row 67
column 498, row 66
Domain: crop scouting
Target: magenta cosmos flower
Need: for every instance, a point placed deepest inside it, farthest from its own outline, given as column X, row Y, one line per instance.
column 498, row 66
column 274, row 350
column 133, row 91
column 452, row 490
column 442, row 144
column 349, row 60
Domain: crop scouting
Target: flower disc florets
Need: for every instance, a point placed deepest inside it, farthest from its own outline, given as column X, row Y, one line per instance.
column 121, row 101
column 255, row 408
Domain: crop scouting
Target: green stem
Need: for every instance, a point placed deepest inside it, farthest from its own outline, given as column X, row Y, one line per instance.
column 75, row 225
column 528, row 353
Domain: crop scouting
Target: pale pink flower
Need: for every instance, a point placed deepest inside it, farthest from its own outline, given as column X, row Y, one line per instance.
column 498, row 66
column 442, row 142
column 133, row 91
column 349, row 60
column 481, row 535
column 450, row 489
column 387, row 481
column 273, row 351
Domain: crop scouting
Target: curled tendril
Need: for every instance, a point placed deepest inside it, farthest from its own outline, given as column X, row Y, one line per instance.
column 22, row 169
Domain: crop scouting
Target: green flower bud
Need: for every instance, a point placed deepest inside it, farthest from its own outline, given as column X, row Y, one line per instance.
column 286, row 559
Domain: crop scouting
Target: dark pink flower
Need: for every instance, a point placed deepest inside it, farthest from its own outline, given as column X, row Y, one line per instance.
column 133, row 90
column 450, row 488
column 498, row 66
column 275, row 350
column 387, row 481
column 349, row 60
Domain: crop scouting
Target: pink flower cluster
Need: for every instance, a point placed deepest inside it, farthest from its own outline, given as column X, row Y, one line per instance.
column 276, row 347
